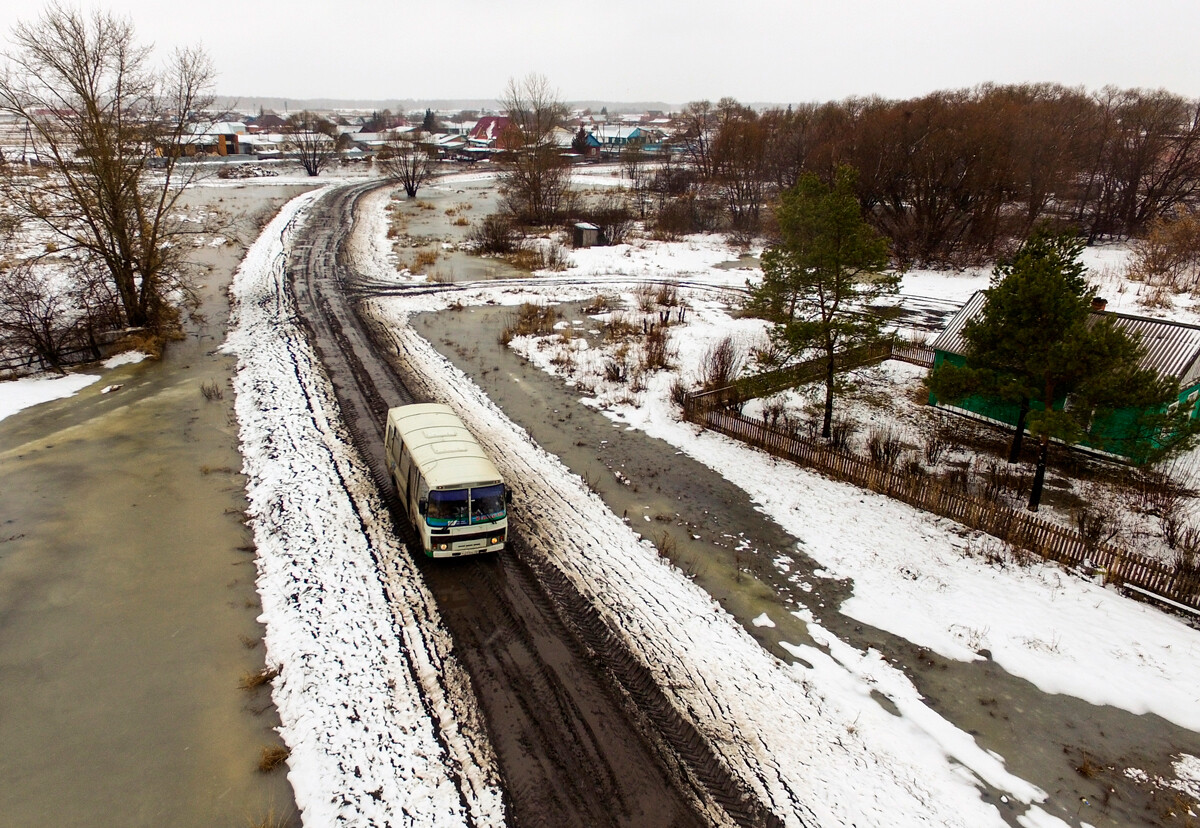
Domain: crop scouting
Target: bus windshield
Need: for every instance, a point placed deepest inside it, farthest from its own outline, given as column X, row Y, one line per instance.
column 448, row 508
column 487, row 504
column 458, row 507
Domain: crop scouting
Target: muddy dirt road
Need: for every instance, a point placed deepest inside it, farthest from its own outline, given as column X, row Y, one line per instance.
column 582, row 735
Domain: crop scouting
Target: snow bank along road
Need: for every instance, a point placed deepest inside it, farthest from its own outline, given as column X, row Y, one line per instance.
column 581, row 733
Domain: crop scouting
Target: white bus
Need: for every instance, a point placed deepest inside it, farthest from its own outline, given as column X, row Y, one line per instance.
column 451, row 492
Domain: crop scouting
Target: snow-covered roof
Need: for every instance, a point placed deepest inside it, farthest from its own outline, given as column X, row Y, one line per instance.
column 218, row 128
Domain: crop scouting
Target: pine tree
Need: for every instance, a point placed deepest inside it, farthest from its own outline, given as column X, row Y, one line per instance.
column 1036, row 341
column 820, row 280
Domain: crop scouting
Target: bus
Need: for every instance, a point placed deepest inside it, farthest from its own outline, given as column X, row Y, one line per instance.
column 452, row 494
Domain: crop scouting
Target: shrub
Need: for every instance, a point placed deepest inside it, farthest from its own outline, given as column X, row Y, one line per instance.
column 935, row 445
column 601, row 303
column 656, row 354
column 720, row 364
column 841, row 432
column 530, row 320
column 1169, row 257
column 252, row 681
column 884, row 447
column 272, row 757
column 496, row 235
column 678, row 392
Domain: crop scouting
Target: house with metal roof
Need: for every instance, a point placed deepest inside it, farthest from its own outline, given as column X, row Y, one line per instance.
column 1171, row 348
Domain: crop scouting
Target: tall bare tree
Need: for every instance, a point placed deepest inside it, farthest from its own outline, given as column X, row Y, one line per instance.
column 405, row 160
column 112, row 128
column 699, row 129
column 536, row 175
column 312, row 139
column 740, row 164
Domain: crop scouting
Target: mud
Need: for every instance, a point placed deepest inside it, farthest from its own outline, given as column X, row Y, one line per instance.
column 570, row 748
column 1075, row 751
column 127, row 591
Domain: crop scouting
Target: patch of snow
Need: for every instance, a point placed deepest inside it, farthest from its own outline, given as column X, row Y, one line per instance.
column 19, row 394
column 1187, row 769
column 124, row 358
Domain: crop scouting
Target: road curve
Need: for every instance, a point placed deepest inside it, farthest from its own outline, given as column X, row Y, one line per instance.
column 582, row 734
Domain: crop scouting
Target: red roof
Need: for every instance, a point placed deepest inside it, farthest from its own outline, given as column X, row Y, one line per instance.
column 490, row 128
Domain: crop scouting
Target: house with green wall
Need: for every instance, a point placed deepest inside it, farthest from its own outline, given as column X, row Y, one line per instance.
column 1172, row 348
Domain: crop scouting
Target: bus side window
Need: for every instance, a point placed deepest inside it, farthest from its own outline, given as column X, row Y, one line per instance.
column 404, row 465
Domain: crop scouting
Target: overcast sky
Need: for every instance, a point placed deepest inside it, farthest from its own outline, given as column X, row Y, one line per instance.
column 779, row 51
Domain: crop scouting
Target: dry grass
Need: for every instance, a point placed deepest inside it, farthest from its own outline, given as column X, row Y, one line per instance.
column 424, row 259
column 272, row 819
column 253, row 681
column 530, row 320
column 216, row 470
column 666, row 544
column 272, row 757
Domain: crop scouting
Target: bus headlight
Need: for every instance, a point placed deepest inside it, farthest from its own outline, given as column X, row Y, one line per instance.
column 493, row 541
column 442, row 547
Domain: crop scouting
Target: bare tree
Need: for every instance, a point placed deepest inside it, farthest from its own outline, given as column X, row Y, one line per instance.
column 405, row 160
column 51, row 314
column 312, row 139
column 536, row 175
column 33, row 315
column 113, row 132
column 635, row 168
column 740, row 165
column 699, row 129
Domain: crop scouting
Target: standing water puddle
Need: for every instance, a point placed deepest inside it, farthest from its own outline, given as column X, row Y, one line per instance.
column 127, row 595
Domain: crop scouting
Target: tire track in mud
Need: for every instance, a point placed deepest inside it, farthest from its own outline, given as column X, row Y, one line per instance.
column 582, row 733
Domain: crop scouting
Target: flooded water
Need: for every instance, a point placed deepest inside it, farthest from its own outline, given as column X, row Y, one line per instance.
column 1077, row 752
column 127, row 600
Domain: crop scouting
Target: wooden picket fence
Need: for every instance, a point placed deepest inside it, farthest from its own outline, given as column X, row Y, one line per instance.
column 19, row 365
column 1018, row 528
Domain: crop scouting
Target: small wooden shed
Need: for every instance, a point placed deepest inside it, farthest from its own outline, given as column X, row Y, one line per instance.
column 586, row 234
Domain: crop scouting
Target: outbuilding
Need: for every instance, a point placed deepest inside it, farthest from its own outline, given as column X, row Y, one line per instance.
column 586, row 234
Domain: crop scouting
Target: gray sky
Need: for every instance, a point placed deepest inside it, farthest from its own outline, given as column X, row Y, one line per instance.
column 673, row 51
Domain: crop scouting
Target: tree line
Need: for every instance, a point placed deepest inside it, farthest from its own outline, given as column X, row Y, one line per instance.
column 956, row 177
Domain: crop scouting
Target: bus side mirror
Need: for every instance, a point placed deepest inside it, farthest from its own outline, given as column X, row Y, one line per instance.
column 422, row 506
column 508, row 495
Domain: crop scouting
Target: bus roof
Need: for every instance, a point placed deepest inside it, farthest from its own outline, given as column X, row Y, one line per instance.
column 446, row 453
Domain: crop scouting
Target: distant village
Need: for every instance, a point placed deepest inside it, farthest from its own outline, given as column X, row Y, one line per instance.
column 465, row 136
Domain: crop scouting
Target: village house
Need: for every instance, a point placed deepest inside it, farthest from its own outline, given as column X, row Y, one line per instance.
column 1171, row 348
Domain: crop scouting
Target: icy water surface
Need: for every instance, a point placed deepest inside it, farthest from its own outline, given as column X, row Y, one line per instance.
column 127, row 599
